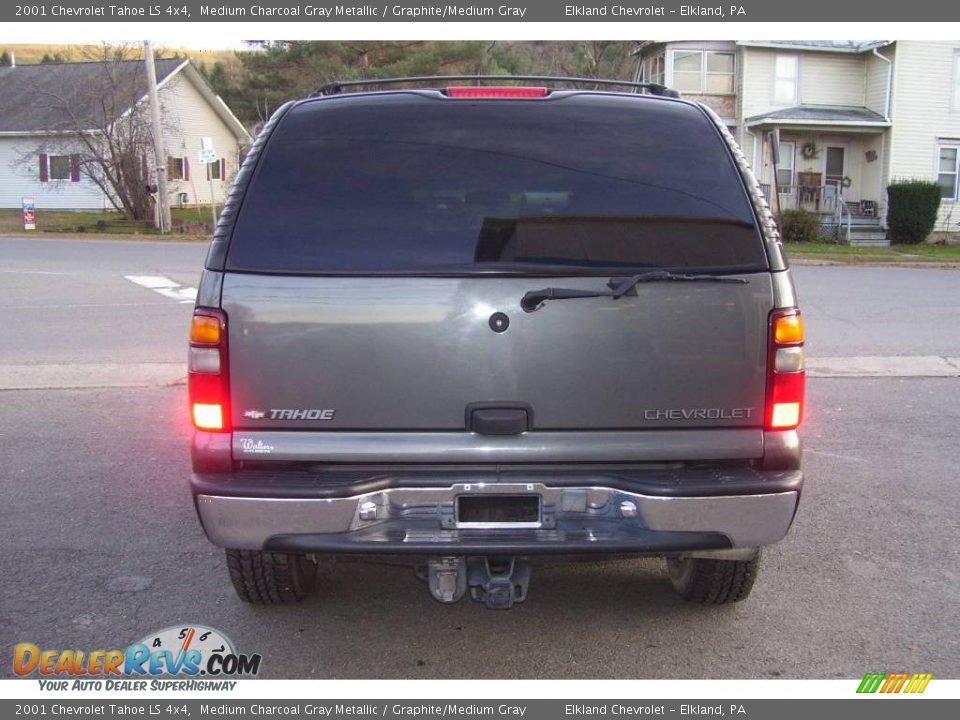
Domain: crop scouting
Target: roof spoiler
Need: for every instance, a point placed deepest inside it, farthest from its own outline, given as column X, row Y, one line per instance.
column 338, row 86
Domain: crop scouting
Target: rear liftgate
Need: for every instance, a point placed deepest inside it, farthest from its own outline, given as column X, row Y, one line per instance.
column 497, row 582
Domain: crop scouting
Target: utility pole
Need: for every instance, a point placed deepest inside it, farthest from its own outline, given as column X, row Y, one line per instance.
column 160, row 161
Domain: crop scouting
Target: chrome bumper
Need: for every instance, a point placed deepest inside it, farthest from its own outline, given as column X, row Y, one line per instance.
column 423, row 520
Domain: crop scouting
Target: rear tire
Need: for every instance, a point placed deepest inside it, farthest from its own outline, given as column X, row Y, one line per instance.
column 713, row 582
column 269, row 578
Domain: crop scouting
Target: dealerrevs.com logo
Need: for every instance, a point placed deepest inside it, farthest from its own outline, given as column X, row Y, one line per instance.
column 908, row 683
column 188, row 652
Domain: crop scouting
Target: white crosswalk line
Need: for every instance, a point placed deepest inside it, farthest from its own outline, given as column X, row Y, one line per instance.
column 165, row 286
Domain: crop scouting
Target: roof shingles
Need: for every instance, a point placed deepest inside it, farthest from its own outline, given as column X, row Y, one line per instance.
column 845, row 114
column 66, row 97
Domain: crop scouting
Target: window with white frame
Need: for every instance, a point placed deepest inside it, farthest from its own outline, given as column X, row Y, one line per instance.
column 703, row 71
column 653, row 69
column 786, row 72
column 178, row 168
column 948, row 169
column 60, row 167
column 786, row 167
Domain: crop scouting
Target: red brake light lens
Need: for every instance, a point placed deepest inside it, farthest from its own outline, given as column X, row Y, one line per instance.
column 496, row 91
column 786, row 379
column 207, row 377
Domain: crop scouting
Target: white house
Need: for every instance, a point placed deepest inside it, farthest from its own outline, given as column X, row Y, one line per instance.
column 851, row 117
column 39, row 101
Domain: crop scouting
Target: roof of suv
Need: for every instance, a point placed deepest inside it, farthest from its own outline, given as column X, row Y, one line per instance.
column 338, row 86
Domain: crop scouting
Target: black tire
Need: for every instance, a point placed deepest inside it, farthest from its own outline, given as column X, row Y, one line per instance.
column 269, row 578
column 713, row 582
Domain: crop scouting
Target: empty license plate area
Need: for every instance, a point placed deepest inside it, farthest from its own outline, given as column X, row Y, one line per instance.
column 498, row 511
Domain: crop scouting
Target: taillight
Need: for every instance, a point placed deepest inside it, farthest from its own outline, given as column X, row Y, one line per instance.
column 207, row 376
column 785, row 376
column 496, row 91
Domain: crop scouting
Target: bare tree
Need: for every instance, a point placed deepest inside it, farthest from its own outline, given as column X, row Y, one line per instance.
column 97, row 114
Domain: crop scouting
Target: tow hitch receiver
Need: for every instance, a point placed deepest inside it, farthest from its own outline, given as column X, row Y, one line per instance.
column 497, row 582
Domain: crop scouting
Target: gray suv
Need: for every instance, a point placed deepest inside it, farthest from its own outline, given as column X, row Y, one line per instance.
column 475, row 325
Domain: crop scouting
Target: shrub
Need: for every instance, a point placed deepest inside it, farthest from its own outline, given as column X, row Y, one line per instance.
column 912, row 210
column 799, row 226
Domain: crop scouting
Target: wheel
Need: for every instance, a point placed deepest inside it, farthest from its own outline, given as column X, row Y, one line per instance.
column 269, row 578
column 713, row 582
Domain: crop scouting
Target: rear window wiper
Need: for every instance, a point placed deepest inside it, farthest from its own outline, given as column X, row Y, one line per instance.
column 617, row 287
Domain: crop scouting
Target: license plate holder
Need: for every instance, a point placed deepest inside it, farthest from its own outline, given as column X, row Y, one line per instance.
column 498, row 511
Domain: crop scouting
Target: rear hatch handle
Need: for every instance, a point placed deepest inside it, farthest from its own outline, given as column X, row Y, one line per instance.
column 617, row 287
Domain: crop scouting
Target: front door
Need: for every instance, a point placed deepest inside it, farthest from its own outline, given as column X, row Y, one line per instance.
column 834, row 166
column 834, row 170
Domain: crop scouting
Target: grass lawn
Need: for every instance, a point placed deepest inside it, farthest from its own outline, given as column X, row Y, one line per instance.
column 188, row 223
column 893, row 254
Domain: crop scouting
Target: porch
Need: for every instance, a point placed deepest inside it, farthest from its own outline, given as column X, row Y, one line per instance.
column 831, row 163
column 850, row 222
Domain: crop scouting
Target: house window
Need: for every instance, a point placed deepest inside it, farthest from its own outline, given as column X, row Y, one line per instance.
column 703, row 71
column 214, row 170
column 60, row 167
column 653, row 69
column 948, row 169
column 786, row 167
column 785, row 79
column 178, row 168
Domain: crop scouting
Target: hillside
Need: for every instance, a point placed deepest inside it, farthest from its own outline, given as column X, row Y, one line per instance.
column 28, row 54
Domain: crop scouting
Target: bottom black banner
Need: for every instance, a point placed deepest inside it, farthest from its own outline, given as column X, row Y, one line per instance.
column 874, row 708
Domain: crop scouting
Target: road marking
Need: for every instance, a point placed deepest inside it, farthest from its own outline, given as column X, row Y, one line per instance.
column 165, row 286
column 883, row 366
column 90, row 375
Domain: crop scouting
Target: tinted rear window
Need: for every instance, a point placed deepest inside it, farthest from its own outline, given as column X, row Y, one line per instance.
column 409, row 183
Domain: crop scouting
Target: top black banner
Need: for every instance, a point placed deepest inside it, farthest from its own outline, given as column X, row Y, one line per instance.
column 509, row 11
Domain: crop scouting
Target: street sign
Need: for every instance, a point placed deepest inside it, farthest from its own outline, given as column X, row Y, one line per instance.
column 207, row 154
column 29, row 214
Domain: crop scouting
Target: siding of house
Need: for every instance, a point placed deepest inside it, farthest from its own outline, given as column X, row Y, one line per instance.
column 19, row 179
column 187, row 118
column 831, row 79
column 922, row 114
column 824, row 79
column 875, row 82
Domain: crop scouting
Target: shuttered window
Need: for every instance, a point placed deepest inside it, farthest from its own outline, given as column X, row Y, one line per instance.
column 59, row 167
column 217, row 170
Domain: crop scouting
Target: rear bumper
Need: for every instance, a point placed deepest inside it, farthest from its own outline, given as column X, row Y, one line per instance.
column 575, row 518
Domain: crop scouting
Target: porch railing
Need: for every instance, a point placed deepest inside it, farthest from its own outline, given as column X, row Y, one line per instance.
column 825, row 200
column 815, row 198
column 843, row 231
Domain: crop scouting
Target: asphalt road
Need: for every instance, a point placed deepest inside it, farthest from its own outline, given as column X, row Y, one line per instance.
column 100, row 544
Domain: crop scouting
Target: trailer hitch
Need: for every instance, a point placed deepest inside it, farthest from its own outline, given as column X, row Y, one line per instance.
column 497, row 582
